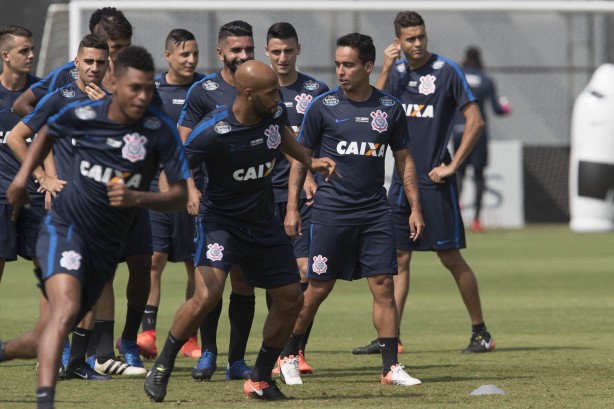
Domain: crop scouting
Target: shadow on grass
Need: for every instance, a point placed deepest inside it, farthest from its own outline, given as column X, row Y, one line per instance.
column 542, row 348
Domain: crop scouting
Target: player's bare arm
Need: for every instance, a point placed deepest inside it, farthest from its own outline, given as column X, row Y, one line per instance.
column 25, row 103
column 173, row 199
column 405, row 167
column 310, row 186
column 391, row 54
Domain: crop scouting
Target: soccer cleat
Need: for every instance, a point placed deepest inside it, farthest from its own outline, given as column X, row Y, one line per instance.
column 66, row 353
column 191, row 348
column 130, row 351
column 400, row 347
column 118, row 366
column 156, row 382
column 303, row 366
column 288, row 370
column 146, row 341
column 480, row 342
column 91, row 361
column 263, row 390
column 238, row 370
column 476, row 226
column 205, row 367
column 371, row 348
column 85, row 372
column 398, row 376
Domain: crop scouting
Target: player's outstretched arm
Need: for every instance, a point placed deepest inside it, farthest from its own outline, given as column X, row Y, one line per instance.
column 172, row 200
column 25, row 103
column 405, row 167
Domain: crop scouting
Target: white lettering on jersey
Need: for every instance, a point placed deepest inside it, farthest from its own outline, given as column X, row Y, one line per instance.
column 105, row 174
column 254, row 172
column 178, row 101
column 361, row 148
column 419, row 110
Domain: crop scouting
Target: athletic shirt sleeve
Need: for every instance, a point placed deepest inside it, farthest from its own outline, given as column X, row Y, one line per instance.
column 310, row 134
column 202, row 143
column 194, row 108
column 45, row 108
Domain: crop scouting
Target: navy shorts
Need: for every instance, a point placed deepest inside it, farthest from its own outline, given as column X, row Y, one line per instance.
column 173, row 234
column 19, row 238
column 139, row 236
column 301, row 244
column 264, row 254
column 444, row 227
column 352, row 252
column 63, row 249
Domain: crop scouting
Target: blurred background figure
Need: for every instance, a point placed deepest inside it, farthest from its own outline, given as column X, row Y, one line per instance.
column 484, row 89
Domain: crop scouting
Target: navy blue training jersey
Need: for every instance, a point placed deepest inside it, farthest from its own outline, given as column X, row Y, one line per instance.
column 430, row 95
column 238, row 160
column 174, row 96
column 356, row 136
column 205, row 96
column 105, row 151
column 296, row 98
column 9, row 163
column 56, row 79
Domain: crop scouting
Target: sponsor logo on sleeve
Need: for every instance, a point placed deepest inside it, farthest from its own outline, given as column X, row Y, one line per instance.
column 330, row 100
column 319, row 264
column 279, row 111
column 152, row 122
column 68, row 93
column 427, row 84
column 74, row 73
column 437, row 65
column 71, row 260
column 273, row 136
column 134, row 147
column 210, row 85
column 386, row 101
column 85, row 113
column 222, row 127
column 302, row 102
column 401, row 68
column 311, row 85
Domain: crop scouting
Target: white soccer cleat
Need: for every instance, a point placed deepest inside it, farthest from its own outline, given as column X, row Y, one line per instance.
column 288, row 370
column 398, row 376
column 116, row 366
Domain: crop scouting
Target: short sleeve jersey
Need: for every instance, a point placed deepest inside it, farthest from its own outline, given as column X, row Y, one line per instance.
column 205, row 96
column 10, row 164
column 296, row 98
column 238, row 160
column 105, row 151
column 356, row 135
column 56, row 79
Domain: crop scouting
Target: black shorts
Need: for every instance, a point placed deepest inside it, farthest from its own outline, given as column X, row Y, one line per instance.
column 19, row 238
column 301, row 244
column 139, row 237
column 173, row 234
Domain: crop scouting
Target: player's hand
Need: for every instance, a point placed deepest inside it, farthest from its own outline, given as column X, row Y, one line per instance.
column 17, row 196
column 48, row 201
column 391, row 54
column 325, row 166
column 416, row 226
column 193, row 201
column 292, row 223
column 441, row 172
column 310, row 186
column 50, row 184
column 506, row 107
column 119, row 195
column 94, row 92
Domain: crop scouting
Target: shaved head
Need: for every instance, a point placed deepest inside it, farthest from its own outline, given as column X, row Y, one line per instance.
column 254, row 75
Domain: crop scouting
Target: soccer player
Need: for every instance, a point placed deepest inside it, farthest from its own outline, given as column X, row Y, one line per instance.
column 351, row 232
column 235, row 47
column 173, row 233
column 118, row 142
column 297, row 91
column 484, row 89
column 431, row 88
column 238, row 145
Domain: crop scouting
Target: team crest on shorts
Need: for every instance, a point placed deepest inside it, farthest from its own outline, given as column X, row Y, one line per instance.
column 71, row 260
column 134, row 147
column 68, row 93
column 152, row 122
column 319, row 265
column 302, row 102
column 222, row 127
column 311, row 85
column 85, row 113
column 74, row 73
column 273, row 136
column 427, row 84
column 210, row 85
column 215, row 252
column 379, row 122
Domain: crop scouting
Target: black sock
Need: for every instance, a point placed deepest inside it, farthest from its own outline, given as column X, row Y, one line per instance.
column 291, row 347
column 91, row 346
column 78, row 347
column 267, row 357
column 2, row 353
column 389, row 350
column 476, row 329
column 104, row 346
column 133, row 321
column 303, row 345
column 45, row 397
column 172, row 346
column 241, row 315
column 150, row 316
column 208, row 329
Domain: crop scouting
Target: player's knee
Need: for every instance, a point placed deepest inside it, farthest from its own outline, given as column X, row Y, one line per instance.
column 451, row 259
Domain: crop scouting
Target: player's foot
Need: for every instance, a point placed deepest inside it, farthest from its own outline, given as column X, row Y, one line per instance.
column 205, row 367
column 156, row 382
column 371, row 348
column 263, row 390
column 480, row 342
column 118, row 366
column 400, row 348
column 66, row 353
column 303, row 366
column 191, row 348
column 238, row 370
column 398, row 376
column 85, row 372
column 130, row 351
column 146, row 341
column 288, row 370
column 476, row 226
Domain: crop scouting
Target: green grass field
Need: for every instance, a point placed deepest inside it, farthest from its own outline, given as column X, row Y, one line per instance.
column 548, row 299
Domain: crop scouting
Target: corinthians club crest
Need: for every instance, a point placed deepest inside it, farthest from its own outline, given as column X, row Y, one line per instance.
column 319, row 264
column 379, row 122
column 427, row 84
column 134, row 147
column 302, row 102
column 273, row 136
column 215, row 252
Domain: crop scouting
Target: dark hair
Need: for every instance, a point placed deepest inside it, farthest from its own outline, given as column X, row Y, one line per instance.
column 237, row 28
column 178, row 36
column 473, row 58
column 105, row 13
column 115, row 29
column 94, row 41
column 135, row 57
column 361, row 42
column 406, row 19
column 12, row 30
column 281, row 30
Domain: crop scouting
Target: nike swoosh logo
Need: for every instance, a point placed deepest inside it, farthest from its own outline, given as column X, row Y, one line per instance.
column 338, row 121
column 440, row 242
column 258, row 392
column 80, row 376
column 40, row 395
column 78, row 334
column 218, row 106
column 381, row 345
column 487, row 344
